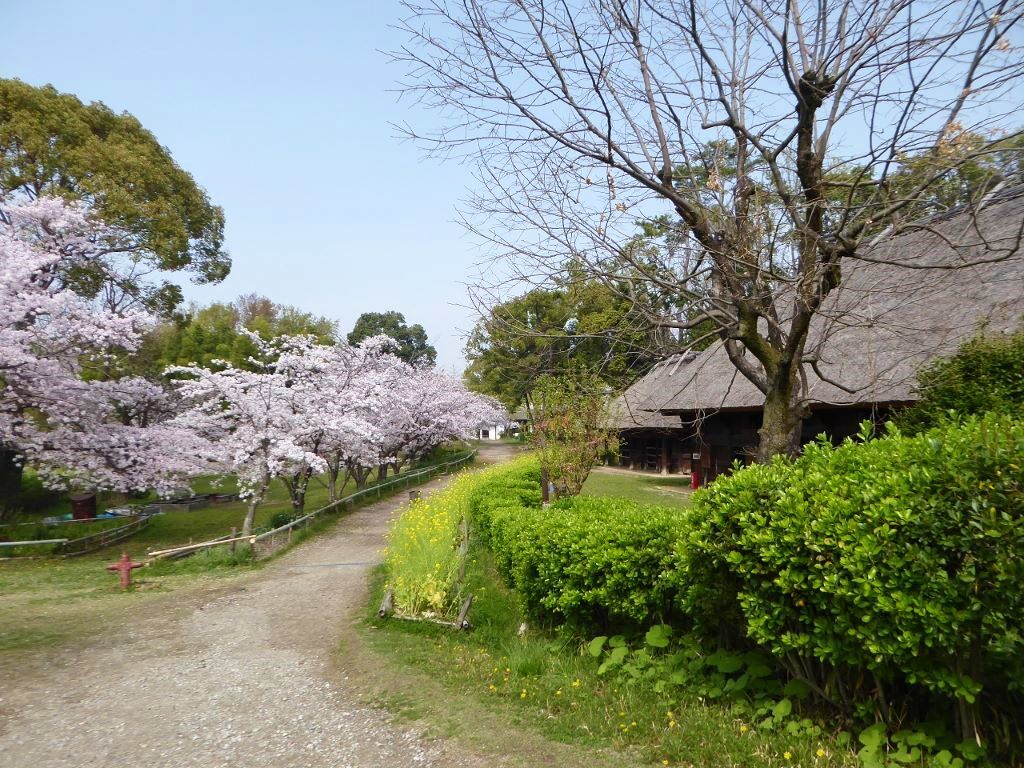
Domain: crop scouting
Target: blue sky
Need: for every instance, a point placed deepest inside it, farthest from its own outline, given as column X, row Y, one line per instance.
column 281, row 111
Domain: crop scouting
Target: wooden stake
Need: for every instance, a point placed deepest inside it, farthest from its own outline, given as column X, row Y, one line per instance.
column 463, row 622
column 387, row 604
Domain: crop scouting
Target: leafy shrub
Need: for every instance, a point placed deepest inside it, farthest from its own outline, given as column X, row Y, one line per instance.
column 278, row 519
column 34, row 496
column 985, row 375
column 508, row 488
column 589, row 561
column 899, row 557
column 572, row 427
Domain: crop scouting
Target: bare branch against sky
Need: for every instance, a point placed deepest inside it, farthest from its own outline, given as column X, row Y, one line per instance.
column 782, row 137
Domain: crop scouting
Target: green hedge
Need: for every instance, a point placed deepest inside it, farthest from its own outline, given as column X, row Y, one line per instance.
column 590, row 562
column 508, row 488
column 887, row 574
column 902, row 557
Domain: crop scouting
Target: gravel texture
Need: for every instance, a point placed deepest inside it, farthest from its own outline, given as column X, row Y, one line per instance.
column 248, row 677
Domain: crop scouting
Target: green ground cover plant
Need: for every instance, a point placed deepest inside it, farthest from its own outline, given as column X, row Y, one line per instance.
column 656, row 490
column 549, row 682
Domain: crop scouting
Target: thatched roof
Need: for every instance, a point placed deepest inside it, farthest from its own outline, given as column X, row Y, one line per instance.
column 879, row 327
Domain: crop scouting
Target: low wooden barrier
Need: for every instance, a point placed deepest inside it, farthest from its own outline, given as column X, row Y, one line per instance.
column 95, row 541
column 83, row 545
column 32, row 542
column 269, row 538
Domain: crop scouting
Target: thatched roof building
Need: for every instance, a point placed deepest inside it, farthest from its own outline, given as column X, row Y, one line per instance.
column 908, row 300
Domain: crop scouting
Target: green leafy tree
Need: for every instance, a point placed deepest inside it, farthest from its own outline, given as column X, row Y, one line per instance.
column 551, row 331
column 571, row 428
column 986, row 375
column 53, row 144
column 201, row 335
column 413, row 346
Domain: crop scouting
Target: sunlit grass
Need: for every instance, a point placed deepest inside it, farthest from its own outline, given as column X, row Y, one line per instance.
column 658, row 490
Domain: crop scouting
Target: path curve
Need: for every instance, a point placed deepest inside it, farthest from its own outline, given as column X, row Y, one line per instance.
column 248, row 677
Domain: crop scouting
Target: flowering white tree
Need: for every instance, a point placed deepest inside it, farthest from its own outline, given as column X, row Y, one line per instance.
column 78, row 432
column 334, row 392
column 430, row 408
column 359, row 385
column 252, row 421
column 312, row 410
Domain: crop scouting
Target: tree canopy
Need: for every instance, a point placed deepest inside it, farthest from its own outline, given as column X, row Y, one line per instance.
column 215, row 332
column 413, row 347
column 784, row 138
column 574, row 325
column 158, row 217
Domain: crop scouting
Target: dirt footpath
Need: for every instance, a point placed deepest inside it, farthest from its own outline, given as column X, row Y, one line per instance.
column 246, row 677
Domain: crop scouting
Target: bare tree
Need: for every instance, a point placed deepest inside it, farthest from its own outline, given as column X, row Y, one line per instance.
column 780, row 132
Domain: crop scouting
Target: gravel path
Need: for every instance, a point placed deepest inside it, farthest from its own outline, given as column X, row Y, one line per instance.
column 247, row 677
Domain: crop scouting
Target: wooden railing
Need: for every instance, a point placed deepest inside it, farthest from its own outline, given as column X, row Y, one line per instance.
column 269, row 537
column 95, row 541
column 84, row 544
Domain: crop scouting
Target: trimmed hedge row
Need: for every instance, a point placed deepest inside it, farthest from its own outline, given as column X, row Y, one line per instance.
column 888, row 571
column 582, row 561
column 902, row 556
column 509, row 487
column 590, row 562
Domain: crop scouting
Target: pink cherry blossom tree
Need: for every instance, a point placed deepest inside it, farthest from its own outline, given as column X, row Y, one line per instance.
column 109, row 434
column 252, row 421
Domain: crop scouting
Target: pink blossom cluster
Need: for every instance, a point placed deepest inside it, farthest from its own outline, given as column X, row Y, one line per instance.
column 310, row 408
column 105, row 432
column 304, row 409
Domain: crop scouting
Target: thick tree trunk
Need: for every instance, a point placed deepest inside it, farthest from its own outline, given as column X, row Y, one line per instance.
column 781, row 426
column 297, row 486
column 361, row 474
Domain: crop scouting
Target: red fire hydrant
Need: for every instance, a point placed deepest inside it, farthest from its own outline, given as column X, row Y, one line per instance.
column 695, row 478
column 125, row 566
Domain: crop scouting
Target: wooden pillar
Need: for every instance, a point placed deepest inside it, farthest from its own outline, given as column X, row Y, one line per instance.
column 664, row 462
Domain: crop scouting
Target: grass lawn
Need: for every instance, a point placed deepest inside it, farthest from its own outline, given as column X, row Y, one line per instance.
column 548, row 684
column 661, row 490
